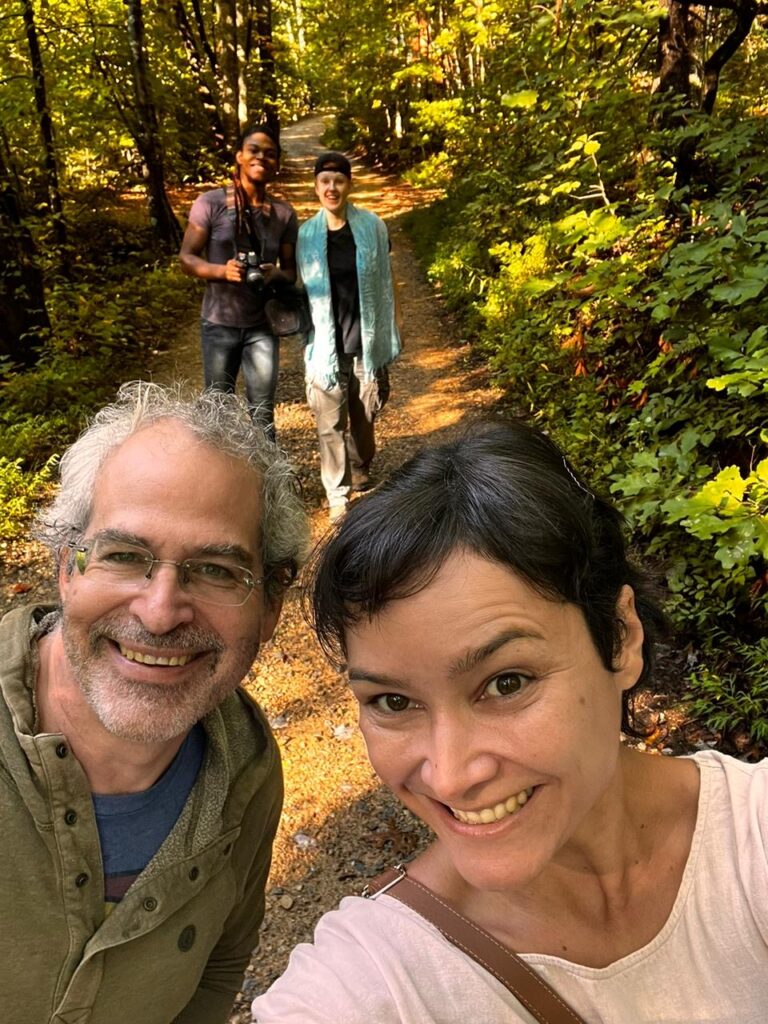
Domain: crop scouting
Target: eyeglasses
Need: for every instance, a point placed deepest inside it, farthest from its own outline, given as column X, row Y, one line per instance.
column 129, row 565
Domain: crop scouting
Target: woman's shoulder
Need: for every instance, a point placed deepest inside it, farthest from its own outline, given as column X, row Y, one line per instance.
column 360, row 213
column 724, row 770
column 733, row 810
column 378, row 960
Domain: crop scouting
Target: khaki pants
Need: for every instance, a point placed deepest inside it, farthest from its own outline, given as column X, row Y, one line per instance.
column 345, row 416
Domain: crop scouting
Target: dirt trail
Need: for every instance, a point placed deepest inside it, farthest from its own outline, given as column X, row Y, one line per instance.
column 339, row 827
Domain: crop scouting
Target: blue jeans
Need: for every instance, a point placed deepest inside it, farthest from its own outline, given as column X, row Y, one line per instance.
column 227, row 349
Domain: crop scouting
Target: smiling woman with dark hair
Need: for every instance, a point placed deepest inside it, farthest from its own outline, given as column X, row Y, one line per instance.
column 493, row 630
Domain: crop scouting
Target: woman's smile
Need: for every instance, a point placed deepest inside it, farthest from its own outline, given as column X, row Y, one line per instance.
column 486, row 707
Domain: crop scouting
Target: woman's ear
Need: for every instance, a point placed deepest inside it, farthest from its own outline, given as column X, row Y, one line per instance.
column 629, row 661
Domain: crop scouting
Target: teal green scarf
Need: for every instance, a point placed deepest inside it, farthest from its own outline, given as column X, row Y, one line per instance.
column 380, row 337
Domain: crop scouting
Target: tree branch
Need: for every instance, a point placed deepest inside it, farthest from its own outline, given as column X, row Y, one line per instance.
column 745, row 15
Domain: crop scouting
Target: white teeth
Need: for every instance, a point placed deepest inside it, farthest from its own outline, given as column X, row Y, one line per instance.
column 153, row 659
column 490, row 814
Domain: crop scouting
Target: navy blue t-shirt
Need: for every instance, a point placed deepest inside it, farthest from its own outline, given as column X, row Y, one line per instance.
column 133, row 826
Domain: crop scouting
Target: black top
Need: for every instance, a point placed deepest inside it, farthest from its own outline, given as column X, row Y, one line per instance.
column 344, row 291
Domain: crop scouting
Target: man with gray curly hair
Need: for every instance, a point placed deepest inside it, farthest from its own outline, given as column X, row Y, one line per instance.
column 141, row 785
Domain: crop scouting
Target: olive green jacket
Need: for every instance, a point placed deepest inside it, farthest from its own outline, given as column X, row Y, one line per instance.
column 173, row 951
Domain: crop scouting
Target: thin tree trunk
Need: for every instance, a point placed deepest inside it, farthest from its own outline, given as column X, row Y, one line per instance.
column 267, row 63
column 147, row 136
column 23, row 316
column 677, row 59
column 46, row 125
column 207, row 98
column 226, row 21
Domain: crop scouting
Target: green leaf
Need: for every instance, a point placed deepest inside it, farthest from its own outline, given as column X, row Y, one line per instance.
column 524, row 99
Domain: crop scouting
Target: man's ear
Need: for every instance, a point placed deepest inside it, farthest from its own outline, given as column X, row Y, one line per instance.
column 273, row 605
column 66, row 558
column 629, row 661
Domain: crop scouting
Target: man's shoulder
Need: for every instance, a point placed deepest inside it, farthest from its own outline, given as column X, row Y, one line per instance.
column 211, row 202
column 246, row 729
column 282, row 208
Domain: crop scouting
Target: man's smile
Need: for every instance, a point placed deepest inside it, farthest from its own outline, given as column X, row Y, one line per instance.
column 155, row 659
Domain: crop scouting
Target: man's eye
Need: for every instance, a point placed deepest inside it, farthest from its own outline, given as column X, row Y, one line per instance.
column 506, row 684
column 214, row 572
column 123, row 556
column 391, row 703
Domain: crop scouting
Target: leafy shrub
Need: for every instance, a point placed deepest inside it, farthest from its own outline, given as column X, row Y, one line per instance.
column 727, row 701
column 629, row 320
column 19, row 492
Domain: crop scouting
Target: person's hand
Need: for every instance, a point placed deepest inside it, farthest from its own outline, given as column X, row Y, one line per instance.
column 233, row 271
column 269, row 270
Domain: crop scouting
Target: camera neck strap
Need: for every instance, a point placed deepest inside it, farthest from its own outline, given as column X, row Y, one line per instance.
column 248, row 221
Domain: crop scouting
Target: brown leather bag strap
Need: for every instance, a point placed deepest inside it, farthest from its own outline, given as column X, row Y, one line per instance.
column 507, row 967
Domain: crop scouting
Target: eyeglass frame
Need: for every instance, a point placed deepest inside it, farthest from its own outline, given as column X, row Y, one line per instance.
column 82, row 553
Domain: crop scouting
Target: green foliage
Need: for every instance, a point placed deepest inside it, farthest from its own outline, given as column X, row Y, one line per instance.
column 730, row 702
column 107, row 322
column 19, row 492
column 627, row 316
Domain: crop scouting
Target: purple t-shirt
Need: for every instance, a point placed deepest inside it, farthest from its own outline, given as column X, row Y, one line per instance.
column 225, row 302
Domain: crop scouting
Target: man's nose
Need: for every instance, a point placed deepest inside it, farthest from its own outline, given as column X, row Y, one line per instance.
column 162, row 603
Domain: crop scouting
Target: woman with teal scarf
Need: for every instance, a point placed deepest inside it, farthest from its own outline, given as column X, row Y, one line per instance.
column 343, row 260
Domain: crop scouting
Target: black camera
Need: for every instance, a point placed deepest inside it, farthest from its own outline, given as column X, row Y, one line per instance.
column 251, row 264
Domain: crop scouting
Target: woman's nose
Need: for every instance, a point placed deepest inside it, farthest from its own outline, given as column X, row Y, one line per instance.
column 457, row 761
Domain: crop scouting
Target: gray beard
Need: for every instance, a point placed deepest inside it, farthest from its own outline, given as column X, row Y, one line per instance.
column 144, row 712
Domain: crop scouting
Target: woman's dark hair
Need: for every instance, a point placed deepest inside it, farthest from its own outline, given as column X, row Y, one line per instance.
column 241, row 199
column 505, row 492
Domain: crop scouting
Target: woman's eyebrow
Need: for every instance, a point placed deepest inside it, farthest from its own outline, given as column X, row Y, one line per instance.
column 363, row 675
column 470, row 659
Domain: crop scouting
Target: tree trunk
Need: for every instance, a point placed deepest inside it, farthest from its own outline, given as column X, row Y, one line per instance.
column 267, row 63
column 23, row 316
column 226, row 58
column 678, row 59
column 147, row 136
column 674, row 57
column 195, row 54
column 46, row 125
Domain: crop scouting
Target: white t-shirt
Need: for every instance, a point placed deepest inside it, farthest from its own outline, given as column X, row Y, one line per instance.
column 379, row 962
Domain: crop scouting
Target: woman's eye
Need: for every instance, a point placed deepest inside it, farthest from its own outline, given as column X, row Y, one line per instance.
column 506, row 684
column 391, row 703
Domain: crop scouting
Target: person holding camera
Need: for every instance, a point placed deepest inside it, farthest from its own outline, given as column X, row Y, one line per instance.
column 344, row 264
column 235, row 240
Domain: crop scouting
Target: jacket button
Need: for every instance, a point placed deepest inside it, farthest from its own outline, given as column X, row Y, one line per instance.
column 70, row 817
column 150, row 903
column 61, row 750
column 187, row 938
column 194, row 873
column 81, row 880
